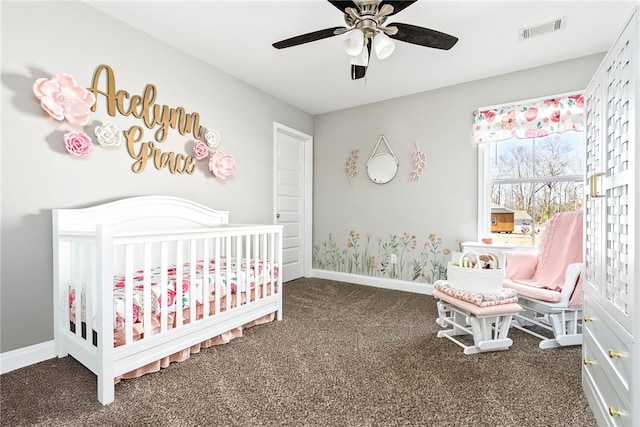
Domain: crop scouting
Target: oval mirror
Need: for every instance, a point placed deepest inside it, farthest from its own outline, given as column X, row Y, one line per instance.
column 381, row 168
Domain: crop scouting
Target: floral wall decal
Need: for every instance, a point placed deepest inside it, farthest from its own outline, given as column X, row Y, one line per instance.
column 392, row 258
column 351, row 165
column 77, row 143
column 62, row 98
column 418, row 160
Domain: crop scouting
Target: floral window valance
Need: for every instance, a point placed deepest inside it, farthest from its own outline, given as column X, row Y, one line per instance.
column 530, row 119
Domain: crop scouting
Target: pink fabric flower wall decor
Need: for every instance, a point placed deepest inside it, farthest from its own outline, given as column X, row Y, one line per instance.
column 63, row 99
column 221, row 165
column 77, row 143
column 200, row 150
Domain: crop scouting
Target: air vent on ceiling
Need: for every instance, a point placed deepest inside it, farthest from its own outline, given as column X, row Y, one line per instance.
column 547, row 27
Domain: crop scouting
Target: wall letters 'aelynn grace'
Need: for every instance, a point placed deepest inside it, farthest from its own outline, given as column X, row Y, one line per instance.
column 143, row 107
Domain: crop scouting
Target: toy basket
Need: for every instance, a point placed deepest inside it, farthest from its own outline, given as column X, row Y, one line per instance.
column 469, row 275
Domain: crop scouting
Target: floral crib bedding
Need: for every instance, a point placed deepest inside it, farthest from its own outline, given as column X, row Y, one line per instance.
column 248, row 279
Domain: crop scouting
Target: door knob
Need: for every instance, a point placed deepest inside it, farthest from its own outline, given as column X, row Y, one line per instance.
column 278, row 215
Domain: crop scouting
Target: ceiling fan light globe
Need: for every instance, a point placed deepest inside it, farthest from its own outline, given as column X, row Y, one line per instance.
column 354, row 42
column 383, row 46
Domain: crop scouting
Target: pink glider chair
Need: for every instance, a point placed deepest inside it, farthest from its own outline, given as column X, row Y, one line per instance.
column 549, row 283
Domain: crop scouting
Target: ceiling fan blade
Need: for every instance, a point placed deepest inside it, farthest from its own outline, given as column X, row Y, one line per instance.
column 423, row 36
column 358, row 72
column 398, row 6
column 309, row 37
column 343, row 5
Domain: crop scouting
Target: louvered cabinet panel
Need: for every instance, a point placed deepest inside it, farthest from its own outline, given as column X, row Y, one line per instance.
column 619, row 181
column 593, row 205
column 611, row 323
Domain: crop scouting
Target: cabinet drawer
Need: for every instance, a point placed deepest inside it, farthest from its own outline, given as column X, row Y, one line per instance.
column 611, row 345
column 613, row 407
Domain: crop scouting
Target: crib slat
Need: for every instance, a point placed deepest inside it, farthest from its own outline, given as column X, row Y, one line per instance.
column 76, row 253
column 128, row 294
column 241, row 285
column 246, row 258
column 218, row 276
column 271, row 260
column 192, row 281
column 263, row 273
column 206, row 262
column 90, row 291
column 252, row 256
column 164, row 273
column 228, row 271
column 178, row 284
column 147, row 290
column 265, row 266
column 259, row 261
column 264, row 278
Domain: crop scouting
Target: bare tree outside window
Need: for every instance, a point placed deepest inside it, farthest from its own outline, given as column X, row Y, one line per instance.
column 531, row 180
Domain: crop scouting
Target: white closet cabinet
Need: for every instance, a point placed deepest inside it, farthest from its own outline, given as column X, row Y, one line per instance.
column 611, row 322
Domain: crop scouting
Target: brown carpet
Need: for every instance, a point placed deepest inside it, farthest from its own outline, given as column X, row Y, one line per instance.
column 344, row 355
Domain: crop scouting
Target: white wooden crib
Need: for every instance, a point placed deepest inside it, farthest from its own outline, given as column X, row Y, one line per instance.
column 139, row 279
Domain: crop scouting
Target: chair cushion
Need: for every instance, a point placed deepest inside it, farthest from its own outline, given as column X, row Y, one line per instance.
column 520, row 265
column 495, row 310
column 534, row 292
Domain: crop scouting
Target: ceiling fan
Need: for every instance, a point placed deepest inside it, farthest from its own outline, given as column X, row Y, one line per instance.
column 365, row 19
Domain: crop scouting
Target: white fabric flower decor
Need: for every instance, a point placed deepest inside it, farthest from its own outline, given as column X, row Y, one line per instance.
column 108, row 135
column 212, row 138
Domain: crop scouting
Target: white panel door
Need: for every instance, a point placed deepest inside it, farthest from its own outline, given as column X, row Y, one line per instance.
column 291, row 200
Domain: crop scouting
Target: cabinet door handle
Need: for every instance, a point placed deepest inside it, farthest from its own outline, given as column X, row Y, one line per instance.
column 593, row 185
column 587, row 319
column 588, row 362
column 614, row 354
column 615, row 413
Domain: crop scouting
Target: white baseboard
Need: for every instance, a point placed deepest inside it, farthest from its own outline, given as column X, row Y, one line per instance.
column 16, row 359
column 22, row 357
column 379, row 282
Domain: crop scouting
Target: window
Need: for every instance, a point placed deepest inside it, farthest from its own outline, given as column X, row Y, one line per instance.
column 530, row 157
column 524, row 182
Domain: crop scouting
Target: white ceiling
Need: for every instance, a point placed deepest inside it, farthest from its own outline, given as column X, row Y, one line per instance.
column 236, row 37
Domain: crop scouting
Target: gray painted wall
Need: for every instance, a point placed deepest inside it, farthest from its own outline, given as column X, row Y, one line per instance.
column 37, row 175
column 443, row 203
column 46, row 38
